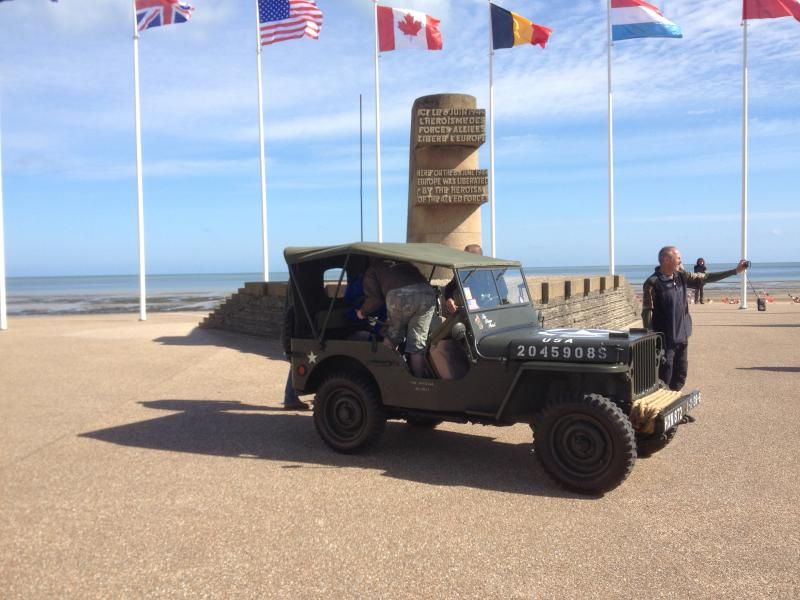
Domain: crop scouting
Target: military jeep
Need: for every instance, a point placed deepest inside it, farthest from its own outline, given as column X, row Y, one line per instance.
column 592, row 397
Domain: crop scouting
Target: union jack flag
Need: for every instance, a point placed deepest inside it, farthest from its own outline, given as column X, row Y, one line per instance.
column 154, row 13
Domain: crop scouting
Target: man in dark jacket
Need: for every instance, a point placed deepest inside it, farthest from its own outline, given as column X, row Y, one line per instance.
column 699, row 267
column 665, row 308
column 410, row 303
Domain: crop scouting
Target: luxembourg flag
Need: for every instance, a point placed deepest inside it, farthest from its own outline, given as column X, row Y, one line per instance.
column 637, row 19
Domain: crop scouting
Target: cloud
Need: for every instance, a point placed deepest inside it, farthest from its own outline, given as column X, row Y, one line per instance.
column 68, row 105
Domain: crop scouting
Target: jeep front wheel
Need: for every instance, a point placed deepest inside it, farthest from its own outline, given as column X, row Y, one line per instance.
column 348, row 414
column 587, row 444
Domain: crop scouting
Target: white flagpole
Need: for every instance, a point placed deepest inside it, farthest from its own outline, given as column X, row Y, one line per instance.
column 378, row 127
column 610, row 154
column 139, row 195
column 744, row 161
column 3, row 317
column 262, row 161
column 491, row 136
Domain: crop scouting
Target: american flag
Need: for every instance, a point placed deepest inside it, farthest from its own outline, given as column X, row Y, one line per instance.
column 154, row 13
column 288, row 19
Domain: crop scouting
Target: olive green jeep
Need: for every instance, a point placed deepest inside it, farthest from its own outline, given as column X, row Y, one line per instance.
column 592, row 397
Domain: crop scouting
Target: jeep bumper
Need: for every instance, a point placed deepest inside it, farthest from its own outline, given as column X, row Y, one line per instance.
column 662, row 410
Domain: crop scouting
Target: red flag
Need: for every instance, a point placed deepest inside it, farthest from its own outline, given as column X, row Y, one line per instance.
column 771, row 9
column 400, row 28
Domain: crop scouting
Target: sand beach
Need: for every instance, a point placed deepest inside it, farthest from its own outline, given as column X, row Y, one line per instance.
column 153, row 459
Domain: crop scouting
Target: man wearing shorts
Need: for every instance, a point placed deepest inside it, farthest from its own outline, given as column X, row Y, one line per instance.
column 410, row 303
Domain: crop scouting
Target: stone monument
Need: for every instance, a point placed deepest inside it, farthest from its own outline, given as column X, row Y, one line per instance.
column 445, row 186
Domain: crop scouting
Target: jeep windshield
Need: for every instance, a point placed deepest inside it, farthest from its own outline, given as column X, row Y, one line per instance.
column 491, row 288
column 498, row 298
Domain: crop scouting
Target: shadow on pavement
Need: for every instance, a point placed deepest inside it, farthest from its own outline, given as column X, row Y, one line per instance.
column 436, row 457
column 249, row 344
column 771, row 369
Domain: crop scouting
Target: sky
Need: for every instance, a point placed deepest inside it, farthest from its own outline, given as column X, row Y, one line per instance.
column 68, row 153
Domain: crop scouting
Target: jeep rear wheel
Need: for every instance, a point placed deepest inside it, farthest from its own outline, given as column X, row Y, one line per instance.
column 348, row 414
column 586, row 444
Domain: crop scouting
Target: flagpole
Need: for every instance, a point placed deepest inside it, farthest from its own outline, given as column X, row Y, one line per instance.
column 491, row 136
column 745, row 108
column 610, row 152
column 3, row 316
column 139, row 193
column 361, row 163
column 378, row 127
column 261, row 158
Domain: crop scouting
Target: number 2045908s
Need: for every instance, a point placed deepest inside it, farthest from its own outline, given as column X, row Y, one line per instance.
column 562, row 352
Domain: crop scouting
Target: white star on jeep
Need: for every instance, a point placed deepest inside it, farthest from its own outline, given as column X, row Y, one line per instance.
column 312, row 358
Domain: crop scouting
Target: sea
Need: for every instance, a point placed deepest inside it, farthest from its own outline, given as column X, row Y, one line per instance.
column 102, row 294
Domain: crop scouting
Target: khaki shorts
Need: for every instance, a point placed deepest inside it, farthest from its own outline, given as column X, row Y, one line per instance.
column 409, row 311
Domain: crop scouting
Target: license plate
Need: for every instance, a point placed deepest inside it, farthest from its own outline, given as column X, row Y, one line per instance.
column 675, row 413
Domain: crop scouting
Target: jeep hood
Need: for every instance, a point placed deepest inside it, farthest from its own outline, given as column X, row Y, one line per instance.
column 583, row 345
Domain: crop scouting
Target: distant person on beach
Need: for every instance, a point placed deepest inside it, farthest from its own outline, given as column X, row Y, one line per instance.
column 451, row 289
column 665, row 308
column 699, row 267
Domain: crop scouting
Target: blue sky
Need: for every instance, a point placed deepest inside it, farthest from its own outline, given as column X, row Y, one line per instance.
column 66, row 87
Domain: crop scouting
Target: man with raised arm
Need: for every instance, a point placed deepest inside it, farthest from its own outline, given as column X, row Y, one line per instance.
column 665, row 308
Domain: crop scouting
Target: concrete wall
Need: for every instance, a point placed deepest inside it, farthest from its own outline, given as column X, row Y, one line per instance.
column 591, row 302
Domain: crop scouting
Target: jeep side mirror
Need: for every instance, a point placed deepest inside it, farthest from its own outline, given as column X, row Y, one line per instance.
column 459, row 331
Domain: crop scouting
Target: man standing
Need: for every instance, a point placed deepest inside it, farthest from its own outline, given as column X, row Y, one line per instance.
column 699, row 267
column 665, row 308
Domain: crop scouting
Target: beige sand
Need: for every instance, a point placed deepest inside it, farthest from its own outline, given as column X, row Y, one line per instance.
column 151, row 459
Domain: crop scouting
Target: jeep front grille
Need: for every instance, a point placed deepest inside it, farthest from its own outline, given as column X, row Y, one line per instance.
column 644, row 364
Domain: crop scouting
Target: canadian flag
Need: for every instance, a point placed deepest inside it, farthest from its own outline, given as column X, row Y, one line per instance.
column 399, row 28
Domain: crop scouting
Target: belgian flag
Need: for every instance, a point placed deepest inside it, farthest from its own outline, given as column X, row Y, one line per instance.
column 510, row 29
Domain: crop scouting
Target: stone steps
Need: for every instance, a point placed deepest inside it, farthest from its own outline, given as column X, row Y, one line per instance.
column 255, row 309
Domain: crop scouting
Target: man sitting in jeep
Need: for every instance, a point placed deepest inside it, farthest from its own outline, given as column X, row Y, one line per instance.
column 451, row 295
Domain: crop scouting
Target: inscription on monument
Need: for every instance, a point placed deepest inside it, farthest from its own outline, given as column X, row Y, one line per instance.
column 451, row 127
column 445, row 186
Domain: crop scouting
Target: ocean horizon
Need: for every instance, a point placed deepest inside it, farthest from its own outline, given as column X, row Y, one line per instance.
column 99, row 294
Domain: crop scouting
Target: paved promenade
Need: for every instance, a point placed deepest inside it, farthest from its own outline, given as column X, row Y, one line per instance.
column 151, row 459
